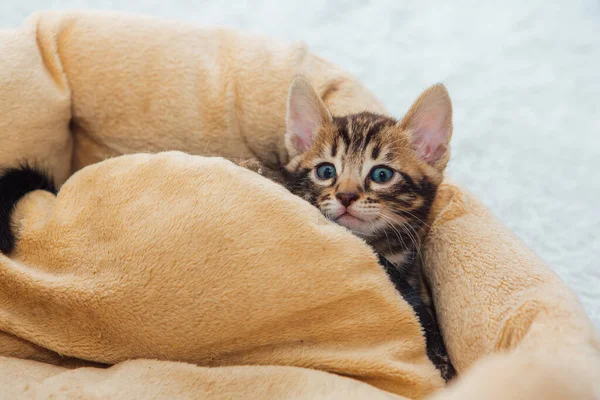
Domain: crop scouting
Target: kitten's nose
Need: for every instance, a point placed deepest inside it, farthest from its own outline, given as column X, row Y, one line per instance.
column 347, row 198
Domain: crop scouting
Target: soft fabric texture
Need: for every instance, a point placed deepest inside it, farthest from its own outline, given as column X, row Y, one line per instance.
column 208, row 90
column 114, row 264
column 497, row 295
column 146, row 379
column 131, row 261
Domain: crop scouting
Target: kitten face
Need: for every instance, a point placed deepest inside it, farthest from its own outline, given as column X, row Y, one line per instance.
column 373, row 174
column 362, row 173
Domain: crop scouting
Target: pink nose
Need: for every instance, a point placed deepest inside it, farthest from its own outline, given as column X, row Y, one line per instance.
column 347, row 198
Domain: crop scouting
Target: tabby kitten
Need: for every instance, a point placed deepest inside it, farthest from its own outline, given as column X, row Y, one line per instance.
column 373, row 174
column 376, row 176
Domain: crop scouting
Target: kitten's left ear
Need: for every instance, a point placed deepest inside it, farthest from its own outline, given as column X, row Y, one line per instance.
column 429, row 123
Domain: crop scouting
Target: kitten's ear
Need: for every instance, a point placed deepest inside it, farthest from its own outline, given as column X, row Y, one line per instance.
column 429, row 123
column 306, row 113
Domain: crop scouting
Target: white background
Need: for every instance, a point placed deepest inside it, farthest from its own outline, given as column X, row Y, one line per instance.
column 524, row 77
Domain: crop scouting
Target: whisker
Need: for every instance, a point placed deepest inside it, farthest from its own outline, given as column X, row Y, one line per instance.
column 416, row 241
column 387, row 239
column 415, row 217
column 390, row 223
column 410, row 231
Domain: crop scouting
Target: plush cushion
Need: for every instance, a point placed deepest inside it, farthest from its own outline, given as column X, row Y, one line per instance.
column 178, row 258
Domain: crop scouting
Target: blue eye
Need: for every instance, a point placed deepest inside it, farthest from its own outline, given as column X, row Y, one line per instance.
column 381, row 174
column 325, row 171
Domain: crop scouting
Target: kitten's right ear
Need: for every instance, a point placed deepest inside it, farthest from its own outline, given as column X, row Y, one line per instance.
column 429, row 122
column 306, row 113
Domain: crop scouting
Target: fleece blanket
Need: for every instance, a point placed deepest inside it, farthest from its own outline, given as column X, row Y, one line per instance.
column 122, row 267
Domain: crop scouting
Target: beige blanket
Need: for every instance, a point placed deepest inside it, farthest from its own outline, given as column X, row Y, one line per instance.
column 192, row 259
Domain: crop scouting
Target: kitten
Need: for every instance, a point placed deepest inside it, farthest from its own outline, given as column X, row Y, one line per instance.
column 373, row 174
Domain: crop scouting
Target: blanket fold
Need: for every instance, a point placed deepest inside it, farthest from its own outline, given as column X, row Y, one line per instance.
column 129, row 262
column 508, row 298
column 211, row 90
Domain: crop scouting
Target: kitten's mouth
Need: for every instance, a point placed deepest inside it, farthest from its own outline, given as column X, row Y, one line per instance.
column 348, row 220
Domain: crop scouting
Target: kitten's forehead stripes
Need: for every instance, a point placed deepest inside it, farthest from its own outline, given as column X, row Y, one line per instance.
column 334, row 148
column 343, row 128
column 375, row 152
column 374, row 128
column 358, row 131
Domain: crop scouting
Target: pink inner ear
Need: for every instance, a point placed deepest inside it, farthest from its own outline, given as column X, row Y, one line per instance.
column 305, row 115
column 429, row 136
column 303, row 131
column 429, row 146
column 300, row 144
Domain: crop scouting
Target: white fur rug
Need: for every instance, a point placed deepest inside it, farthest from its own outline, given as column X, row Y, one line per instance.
column 524, row 77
